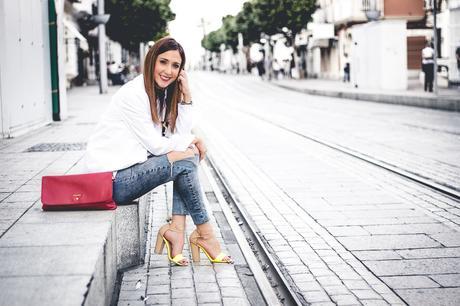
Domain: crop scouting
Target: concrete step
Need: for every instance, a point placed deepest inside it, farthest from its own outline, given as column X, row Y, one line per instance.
column 70, row 258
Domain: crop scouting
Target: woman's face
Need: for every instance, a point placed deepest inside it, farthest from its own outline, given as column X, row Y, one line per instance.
column 167, row 67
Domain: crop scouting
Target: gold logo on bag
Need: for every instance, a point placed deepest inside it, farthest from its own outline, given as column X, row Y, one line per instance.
column 76, row 196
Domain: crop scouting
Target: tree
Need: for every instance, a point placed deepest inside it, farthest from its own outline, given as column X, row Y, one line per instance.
column 230, row 32
column 273, row 15
column 268, row 16
column 134, row 21
column 247, row 25
column 213, row 40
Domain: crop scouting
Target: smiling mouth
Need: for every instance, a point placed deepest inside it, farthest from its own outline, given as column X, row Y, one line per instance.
column 165, row 79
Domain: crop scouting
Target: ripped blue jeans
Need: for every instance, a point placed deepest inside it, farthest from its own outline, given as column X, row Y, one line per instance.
column 137, row 180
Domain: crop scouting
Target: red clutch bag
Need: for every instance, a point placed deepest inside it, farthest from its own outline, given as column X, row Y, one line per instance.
column 78, row 191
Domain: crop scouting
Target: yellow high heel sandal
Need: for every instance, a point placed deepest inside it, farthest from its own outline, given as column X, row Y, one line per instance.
column 196, row 247
column 161, row 241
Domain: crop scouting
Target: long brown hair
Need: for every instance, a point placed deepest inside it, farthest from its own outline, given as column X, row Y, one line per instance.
column 163, row 45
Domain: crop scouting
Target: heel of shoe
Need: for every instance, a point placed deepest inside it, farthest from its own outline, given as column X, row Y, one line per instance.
column 160, row 244
column 195, row 252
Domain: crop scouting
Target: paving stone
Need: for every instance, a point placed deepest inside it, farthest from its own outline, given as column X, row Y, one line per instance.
column 232, row 292
column 430, row 253
column 315, row 296
column 48, row 260
column 438, row 296
column 356, row 284
column 448, row 239
column 233, row 302
column 55, row 234
column 65, row 289
column 329, row 280
column 204, row 278
column 229, row 282
column 377, row 255
column 429, row 228
column 208, row 297
column 158, row 289
column 337, row 290
column 158, row 280
column 298, row 278
column 447, row 280
column 158, row 299
column 415, row 266
column 366, row 294
column 131, row 303
column 182, row 283
column 183, row 301
column 309, row 286
column 347, row 299
column 206, row 287
column 409, row 282
column 317, row 272
column 130, row 295
column 383, row 242
column 374, row 302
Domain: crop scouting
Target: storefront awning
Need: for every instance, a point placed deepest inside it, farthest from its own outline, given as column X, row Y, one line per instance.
column 76, row 34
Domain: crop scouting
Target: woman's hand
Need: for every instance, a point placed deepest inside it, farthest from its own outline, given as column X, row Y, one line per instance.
column 174, row 156
column 199, row 144
column 184, row 87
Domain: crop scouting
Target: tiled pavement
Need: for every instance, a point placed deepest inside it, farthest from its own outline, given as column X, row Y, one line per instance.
column 158, row 282
column 419, row 141
column 21, row 171
column 346, row 232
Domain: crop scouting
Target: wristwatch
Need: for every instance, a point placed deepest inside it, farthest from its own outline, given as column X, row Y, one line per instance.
column 185, row 103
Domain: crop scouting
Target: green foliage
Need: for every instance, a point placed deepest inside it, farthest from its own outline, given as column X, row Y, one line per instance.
column 247, row 25
column 227, row 34
column 257, row 16
column 273, row 15
column 213, row 40
column 134, row 21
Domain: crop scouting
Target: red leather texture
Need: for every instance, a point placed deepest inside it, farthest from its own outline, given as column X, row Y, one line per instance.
column 78, row 192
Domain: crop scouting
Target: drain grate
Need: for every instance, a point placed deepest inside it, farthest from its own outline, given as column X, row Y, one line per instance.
column 57, row 146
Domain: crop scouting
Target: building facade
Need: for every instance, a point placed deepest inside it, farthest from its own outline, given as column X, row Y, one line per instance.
column 380, row 41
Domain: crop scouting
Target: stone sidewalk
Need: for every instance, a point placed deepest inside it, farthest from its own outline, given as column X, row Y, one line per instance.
column 158, row 282
column 347, row 234
column 447, row 99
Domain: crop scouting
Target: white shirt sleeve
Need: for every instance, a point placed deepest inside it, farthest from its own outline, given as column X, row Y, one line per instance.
column 135, row 112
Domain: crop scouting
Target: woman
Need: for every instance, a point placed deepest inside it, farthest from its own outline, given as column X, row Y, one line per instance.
column 145, row 138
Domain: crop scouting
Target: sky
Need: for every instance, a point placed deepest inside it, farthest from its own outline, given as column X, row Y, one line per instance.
column 187, row 29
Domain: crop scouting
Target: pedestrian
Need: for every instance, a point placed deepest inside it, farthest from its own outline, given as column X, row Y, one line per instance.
column 145, row 138
column 346, row 72
column 457, row 56
column 428, row 67
column 276, row 69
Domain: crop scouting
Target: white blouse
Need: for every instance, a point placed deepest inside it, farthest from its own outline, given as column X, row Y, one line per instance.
column 126, row 133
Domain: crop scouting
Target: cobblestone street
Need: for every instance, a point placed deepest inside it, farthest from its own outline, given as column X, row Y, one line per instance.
column 347, row 232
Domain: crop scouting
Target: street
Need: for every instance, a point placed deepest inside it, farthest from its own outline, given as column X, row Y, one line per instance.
column 346, row 232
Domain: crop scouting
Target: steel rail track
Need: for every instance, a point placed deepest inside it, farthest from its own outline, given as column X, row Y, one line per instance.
column 279, row 280
column 417, row 178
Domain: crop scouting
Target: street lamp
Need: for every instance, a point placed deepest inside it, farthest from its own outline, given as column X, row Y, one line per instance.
column 370, row 9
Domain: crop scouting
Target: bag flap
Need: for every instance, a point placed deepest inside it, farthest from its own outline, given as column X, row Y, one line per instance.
column 77, row 188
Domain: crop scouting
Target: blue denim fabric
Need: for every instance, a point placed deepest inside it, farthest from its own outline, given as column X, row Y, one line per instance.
column 137, row 180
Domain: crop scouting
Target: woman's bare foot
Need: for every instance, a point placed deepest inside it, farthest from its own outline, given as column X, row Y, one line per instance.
column 176, row 241
column 204, row 237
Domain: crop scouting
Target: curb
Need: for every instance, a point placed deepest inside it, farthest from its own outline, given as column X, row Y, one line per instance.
column 439, row 103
